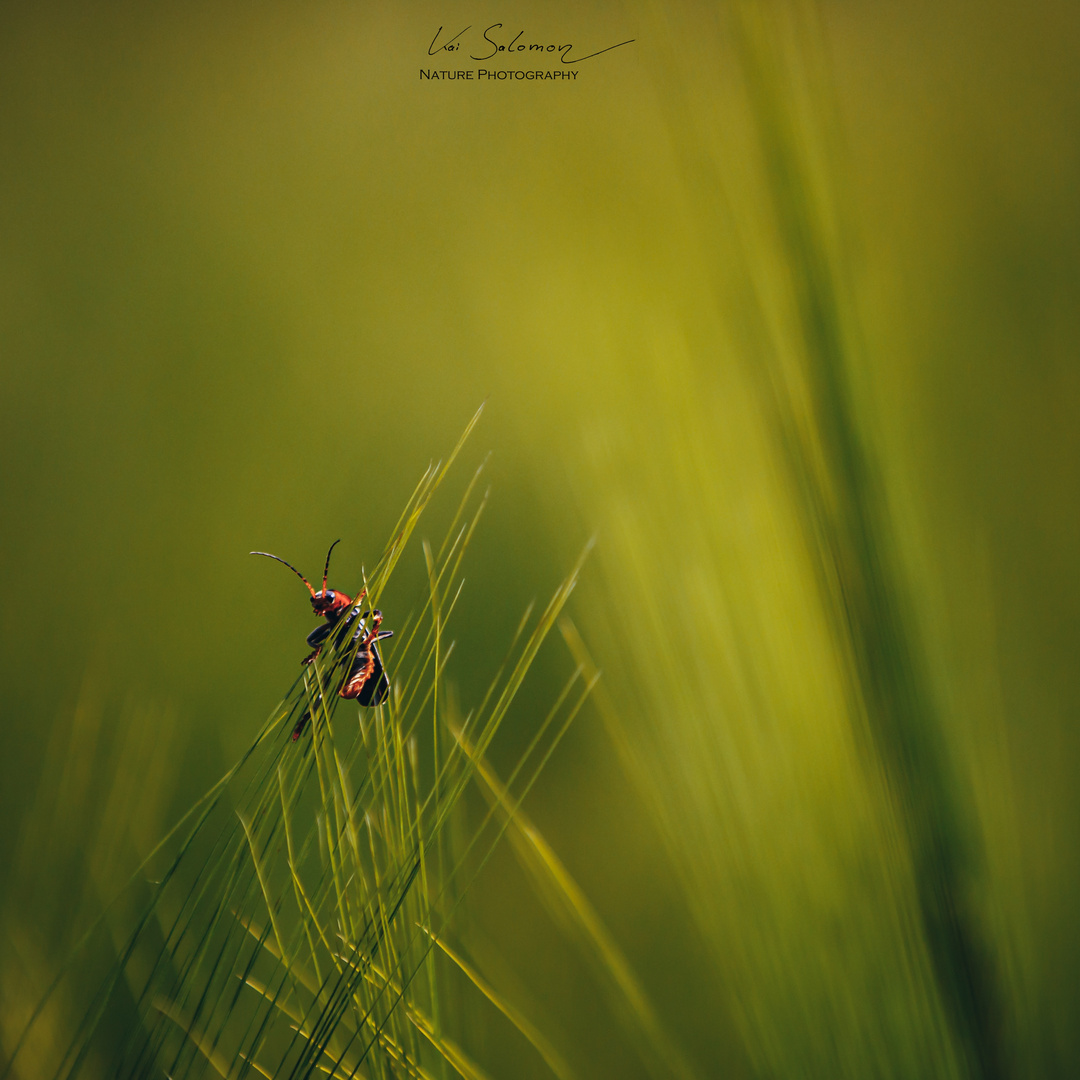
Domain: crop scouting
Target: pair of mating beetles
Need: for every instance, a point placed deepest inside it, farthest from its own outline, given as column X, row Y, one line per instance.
column 366, row 680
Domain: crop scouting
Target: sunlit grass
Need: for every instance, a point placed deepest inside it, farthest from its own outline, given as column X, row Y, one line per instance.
column 302, row 916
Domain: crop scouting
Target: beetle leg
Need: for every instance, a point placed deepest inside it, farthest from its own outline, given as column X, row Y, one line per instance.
column 318, row 637
column 300, row 724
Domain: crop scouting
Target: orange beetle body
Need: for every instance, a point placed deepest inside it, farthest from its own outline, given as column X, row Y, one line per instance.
column 366, row 680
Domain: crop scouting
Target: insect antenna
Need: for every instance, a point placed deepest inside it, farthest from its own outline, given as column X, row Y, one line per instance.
column 326, row 568
column 293, row 568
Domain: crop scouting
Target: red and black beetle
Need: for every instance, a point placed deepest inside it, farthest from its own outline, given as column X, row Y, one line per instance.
column 366, row 680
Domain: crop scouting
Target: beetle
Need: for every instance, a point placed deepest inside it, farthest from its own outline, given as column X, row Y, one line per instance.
column 366, row 681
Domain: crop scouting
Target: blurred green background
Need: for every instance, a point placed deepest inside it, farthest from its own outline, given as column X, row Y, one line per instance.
column 255, row 274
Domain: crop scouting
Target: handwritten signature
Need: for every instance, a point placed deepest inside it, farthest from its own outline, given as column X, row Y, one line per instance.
column 513, row 47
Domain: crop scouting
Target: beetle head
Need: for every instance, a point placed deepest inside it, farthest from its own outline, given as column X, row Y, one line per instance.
column 326, row 602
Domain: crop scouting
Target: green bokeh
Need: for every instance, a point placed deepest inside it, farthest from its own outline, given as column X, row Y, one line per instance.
column 255, row 274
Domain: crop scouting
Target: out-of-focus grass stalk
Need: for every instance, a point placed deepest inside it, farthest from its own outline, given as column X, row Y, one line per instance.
column 764, row 676
column 845, row 513
column 573, row 911
column 106, row 779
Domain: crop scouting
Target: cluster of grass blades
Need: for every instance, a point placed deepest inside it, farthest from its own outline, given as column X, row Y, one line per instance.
column 296, row 927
